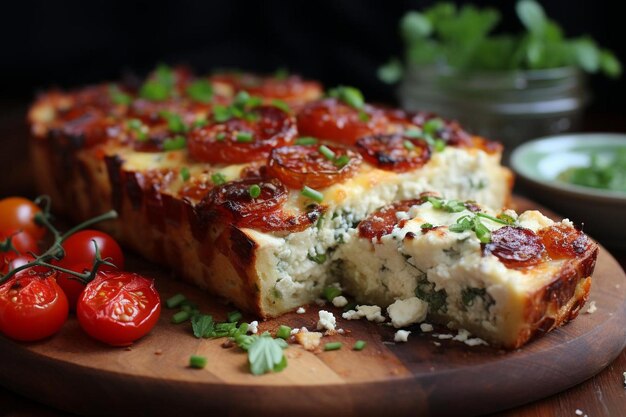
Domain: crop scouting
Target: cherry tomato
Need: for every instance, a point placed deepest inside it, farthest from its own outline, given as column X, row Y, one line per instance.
column 22, row 243
column 297, row 166
column 79, row 249
column 333, row 120
column 18, row 213
column 71, row 286
column 516, row 247
column 118, row 308
column 32, row 305
column 239, row 140
column 394, row 152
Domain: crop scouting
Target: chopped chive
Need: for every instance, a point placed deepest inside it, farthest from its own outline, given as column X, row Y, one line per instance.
column 234, row 316
column 134, row 124
column 331, row 292
column 359, row 345
column 432, row 126
column 218, row 178
column 426, row 226
column 254, row 191
column 327, row 152
column 349, row 95
column 118, row 96
column 342, row 161
column 312, row 194
column 363, row 116
column 220, row 136
column 244, row 137
column 184, row 173
column 281, row 73
column 440, row 145
column 413, row 133
column 319, row 258
column 306, row 140
column 197, row 362
column 221, row 114
column 180, row 317
column 175, row 143
column 283, row 332
column 200, row 90
column 408, row 145
column 281, row 105
column 332, row 346
column 200, row 122
column 175, row 300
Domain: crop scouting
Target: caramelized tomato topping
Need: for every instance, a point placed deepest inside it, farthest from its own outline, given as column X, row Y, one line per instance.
column 297, row 166
column 332, row 119
column 240, row 140
column 84, row 126
column 562, row 241
column 394, row 152
column 515, row 247
column 234, row 199
column 382, row 221
column 293, row 89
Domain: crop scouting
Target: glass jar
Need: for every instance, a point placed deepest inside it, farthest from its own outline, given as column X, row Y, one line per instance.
column 507, row 106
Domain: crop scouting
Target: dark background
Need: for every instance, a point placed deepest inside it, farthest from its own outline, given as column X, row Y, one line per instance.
column 69, row 43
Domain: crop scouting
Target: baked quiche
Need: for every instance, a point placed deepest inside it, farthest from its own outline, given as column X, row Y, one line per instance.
column 256, row 187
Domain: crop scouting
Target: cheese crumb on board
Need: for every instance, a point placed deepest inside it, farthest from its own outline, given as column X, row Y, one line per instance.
column 406, row 312
column 300, row 310
column 579, row 412
column 253, row 327
column 309, row 340
column 592, row 308
column 340, row 301
column 401, row 336
column 426, row 327
column 326, row 320
column 371, row 313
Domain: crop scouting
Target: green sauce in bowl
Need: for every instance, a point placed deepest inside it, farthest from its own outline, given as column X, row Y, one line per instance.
column 604, row 173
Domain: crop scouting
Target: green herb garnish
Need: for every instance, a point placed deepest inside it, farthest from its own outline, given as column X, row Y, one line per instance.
column 283, row 332
column 327, row 152
column 218, row 178
column 281, row 105
column 332, row 346
column 175, row 143
column 160, row 87
column 234, row 316
column 244, row 137
column 318, row 258
column 306, row 141
column 118, row 96
column 200, row 91
column 180, row 317
column 330, row 292
column 607, row 174
column 175, row 300
column 202, row 326
column 266, row 354
column 359, row 345
column 314, row 195
column 349, row 95
column 197, row 362
column 254, row 191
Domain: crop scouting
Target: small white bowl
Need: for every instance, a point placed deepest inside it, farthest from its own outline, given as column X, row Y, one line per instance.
column 539, row 162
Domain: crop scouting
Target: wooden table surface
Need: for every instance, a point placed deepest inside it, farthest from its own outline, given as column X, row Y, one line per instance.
column 602, row 395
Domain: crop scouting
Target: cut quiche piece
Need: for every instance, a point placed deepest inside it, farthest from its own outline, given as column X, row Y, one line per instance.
column 247, row 186
column 503, row 277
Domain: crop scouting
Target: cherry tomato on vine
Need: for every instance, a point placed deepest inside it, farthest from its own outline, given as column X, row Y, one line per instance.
column 71, row 285
column 20, row 245
column 18, row 213
column 32, row 305
column 79, row 249
column 118, row 308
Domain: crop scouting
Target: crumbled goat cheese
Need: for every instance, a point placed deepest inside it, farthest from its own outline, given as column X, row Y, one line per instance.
column 579, row 412
column 437, row 344
column 327, row 320
column 475, row 341
column 462, row 336
column 340, row 301
column 425, row 327
column 592, row 308
column 294, row 331
column 341, row 331
column 407, row 312
column 401, row 336
column 443, row 336
column 624, row 379
column 371, row 313
column 402, row 215
column 253, row 327
column 300, row 310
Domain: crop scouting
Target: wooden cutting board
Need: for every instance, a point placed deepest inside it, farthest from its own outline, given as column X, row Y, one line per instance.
column 74, row 373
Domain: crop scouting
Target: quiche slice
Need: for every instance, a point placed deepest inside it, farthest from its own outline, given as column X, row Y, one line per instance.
column 247, row 186
column 503, row 277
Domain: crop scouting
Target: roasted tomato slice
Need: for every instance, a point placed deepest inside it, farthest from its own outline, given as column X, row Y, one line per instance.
column 240, row 140
column 32, row 305
column 394, row 152
column 83, row 126
column 235, row 199
column 118, row 308
column 334, row 120
column 382, row 221
column 316, row 167
column 515, row 247
column 562, row 241
column 293, row 89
